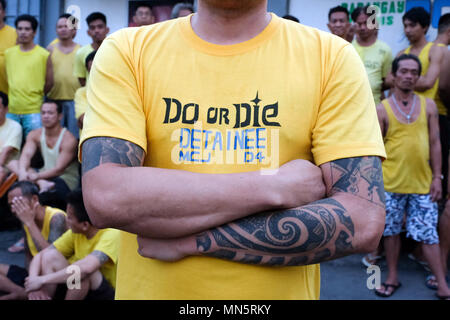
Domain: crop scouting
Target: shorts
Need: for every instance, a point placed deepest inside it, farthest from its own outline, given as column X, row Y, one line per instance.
column 104, row 292
column 17, row 275
column 421, row 216
column 29, row 122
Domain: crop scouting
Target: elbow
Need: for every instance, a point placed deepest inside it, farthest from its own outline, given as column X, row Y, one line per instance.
column 101, row 206
column 371, row 233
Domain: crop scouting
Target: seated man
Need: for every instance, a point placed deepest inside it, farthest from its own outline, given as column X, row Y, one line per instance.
column 91, row 251
column 42, row 226
column 10, row 138
column 58, row 147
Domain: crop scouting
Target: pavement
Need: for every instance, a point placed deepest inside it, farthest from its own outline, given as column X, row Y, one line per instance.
column 341, row 279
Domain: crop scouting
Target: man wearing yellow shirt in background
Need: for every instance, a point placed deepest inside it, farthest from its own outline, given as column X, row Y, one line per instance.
column 81, row 103
column 375, row 54
column 30, row 75
column 97, row 30
column 412, row 173
column 8, row 39
column 42, row 225
column 85, row 248
column 184, row 115
column 65, row 83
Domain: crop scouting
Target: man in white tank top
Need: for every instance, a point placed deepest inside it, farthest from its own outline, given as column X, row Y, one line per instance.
column 58, row 147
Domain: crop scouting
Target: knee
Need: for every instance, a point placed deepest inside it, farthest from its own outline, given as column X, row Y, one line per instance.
column 51, row 258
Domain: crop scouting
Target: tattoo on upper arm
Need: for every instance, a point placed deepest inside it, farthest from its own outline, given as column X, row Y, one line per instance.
column 57, row 227
column 362, row 177
column 102, row 257
column 97, row 151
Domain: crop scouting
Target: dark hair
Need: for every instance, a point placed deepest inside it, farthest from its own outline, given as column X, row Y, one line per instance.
column 28, row 189
column 89, row 58
column 396, row 62
column 75, row 199
column 30, row 19
column 4, row 98
column 180, row 6
column 96, row 16
column 59, row 107
column 3, row 3
column 358, row 11
column 143, row 5
column 289, row 17
column 338, row 9
column 418, row 15
column 444, row 23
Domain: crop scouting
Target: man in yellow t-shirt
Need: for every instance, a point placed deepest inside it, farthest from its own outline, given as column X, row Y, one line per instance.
column 42, row 225
column 91, row 252
column 375, row 54
column 216, row 143
column 97, row 30
column 30, row 75
column 65, row 83
column 8, row 39
column 412, row 173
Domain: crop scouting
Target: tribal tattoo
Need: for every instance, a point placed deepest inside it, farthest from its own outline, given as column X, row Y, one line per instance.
column 57, row 227
column 97, row 151
column 311, row 234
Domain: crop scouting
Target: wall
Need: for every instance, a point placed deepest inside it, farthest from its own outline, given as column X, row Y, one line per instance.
column 116, row 12
column 315, row 13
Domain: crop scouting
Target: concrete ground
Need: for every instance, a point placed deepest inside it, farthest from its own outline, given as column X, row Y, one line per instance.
column 342, row 279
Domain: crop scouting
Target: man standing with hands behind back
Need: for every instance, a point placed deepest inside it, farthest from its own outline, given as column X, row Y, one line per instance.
column 228, row 231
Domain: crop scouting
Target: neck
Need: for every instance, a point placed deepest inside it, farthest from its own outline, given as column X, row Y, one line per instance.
column 53, row 131
column 367, row 42
column 40, row 215
column 91, row 232
column 402, row 94
column 442, row 39
column 2, row 121
column 420, row 43
column 227, row 26
column 27, row 46
column 2, row 24
column 66, row 42
column 96, row 45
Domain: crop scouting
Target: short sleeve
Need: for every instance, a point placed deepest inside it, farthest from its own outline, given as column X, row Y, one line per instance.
column 347, row 124
column 14, row 138
column 115, row 107
column 65, row 244
column 387, row 62
column 109, row 244
column 79, row 67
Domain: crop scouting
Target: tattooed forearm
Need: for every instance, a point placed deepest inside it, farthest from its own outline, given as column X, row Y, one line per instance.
column 311, row 234
column 291, row 237
column 97, row 151
column 57, row 227
column 362, row 177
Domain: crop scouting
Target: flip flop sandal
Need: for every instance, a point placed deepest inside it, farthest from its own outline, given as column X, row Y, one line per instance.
column 366, row 260
column 386, row 287
column 423, row 264
column 443, row 297
column 428, row 282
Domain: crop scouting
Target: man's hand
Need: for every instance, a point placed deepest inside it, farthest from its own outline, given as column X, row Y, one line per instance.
column 168, row 250
column 436, row 190
column 33, row 283
column 23, row 176
column 38, row 295
column 23, row 210
column 297, row 176
column 33, row 176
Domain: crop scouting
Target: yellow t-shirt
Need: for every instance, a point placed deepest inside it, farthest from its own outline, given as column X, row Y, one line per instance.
column 11, row 136
column 378, row 61
column 26, row 79
column 65, row 83
column 80, row 102
column 407, row 169
column 76, row 247
column 291, row 92
column 79, row 69
column 49, row 213
column 8, row 38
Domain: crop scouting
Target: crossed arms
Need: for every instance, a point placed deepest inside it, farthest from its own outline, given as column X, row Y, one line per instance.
column 283, row 220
